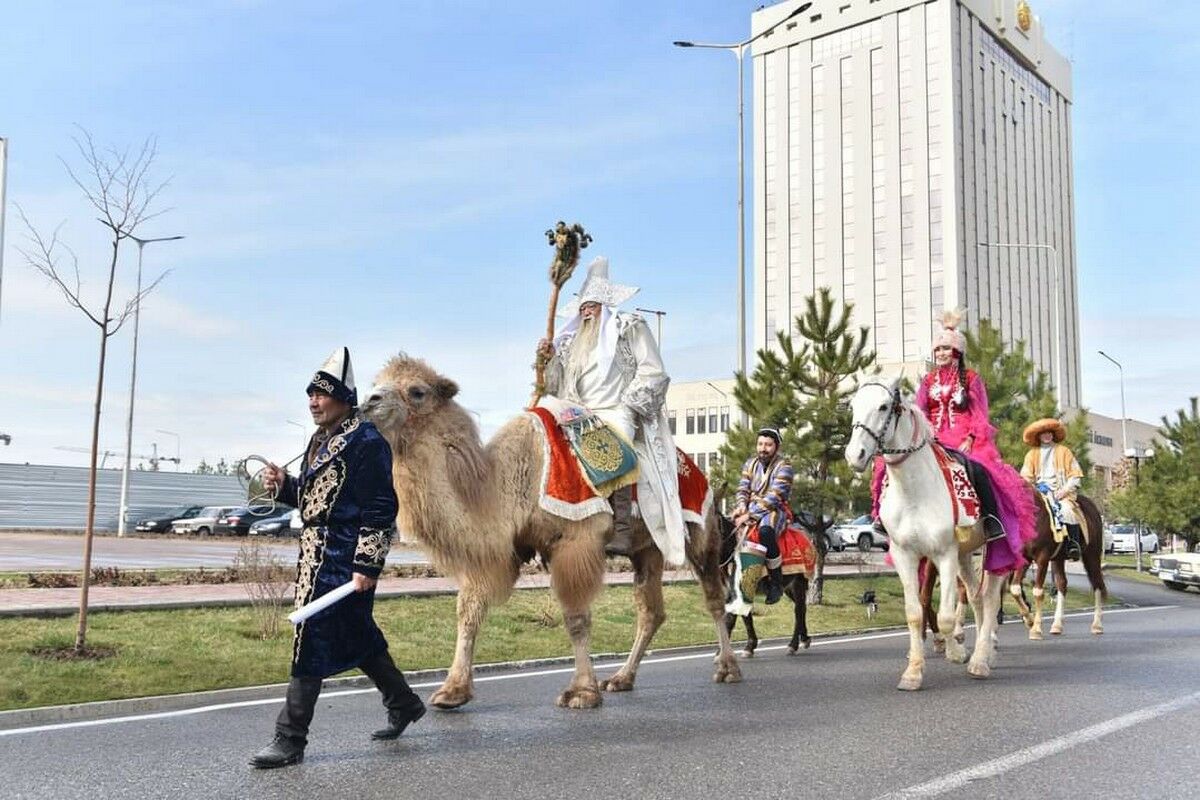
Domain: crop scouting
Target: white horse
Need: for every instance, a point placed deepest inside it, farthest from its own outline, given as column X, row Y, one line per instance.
column 917, row 512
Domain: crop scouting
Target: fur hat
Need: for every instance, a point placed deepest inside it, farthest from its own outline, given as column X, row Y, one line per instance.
column 1033, row 433
column 336, row 378
column 950, row 336
column 597, row 288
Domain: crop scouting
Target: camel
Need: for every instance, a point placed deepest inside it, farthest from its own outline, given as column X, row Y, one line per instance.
column 474, row 508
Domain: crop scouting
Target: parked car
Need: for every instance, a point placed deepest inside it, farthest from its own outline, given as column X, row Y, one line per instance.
column 203, row 523
column 1177, row 570
column 161, row 523
column 277, row 524
column 859, row 533
column 238, row 521
column 1120, row 538
column 808, row 521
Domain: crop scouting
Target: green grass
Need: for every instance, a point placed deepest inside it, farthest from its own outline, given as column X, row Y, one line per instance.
column 1124, row 567
column 166, row 652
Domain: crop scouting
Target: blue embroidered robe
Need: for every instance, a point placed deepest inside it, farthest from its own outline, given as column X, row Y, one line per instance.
column 348, row 507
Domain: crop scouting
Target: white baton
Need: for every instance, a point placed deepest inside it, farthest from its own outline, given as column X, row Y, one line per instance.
column 321, row 603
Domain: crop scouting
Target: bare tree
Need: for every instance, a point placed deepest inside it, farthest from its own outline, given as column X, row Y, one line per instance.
column 117, row 184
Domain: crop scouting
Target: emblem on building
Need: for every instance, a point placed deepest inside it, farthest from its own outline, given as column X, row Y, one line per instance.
column 1024, row 16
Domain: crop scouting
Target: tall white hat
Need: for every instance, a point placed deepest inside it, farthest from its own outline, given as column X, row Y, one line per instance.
column 336, row 377
column 597, row 288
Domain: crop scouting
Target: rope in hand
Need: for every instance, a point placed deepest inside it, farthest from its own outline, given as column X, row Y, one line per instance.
column 260, row 502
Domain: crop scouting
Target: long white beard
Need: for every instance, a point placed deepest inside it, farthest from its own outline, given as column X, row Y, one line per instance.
column 583, row 350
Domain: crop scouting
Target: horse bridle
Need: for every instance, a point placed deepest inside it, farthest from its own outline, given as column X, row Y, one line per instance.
column 892, row 418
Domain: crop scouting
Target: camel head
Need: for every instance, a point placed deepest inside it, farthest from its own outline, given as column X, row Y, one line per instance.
column 406, row 391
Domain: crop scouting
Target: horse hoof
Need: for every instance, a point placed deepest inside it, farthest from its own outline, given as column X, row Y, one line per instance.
column 579, row 697
column 617, row 683
column 960, row 637
column 448, row 697
column 979, row 670
column 791, row 651
column 1035, row 635
column 939, row 645
column 957, row 656
column 1097, row 629
column 1056, row 630
column 806, row 643
column 747, row 653
column 909, row 683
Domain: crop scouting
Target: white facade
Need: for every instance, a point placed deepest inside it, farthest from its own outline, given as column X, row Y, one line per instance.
column 890, row 138
column 1105, row 434
column 699, row 414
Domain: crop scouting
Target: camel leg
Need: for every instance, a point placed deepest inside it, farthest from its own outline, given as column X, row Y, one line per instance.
column 948, row 606
column 577, row 575
column 798, row 589
column 906, row 568
column 706, row 564
column 1060, row 602
column 980, row 665
column 648, row 599
column 1039, row 594
column 473, row 601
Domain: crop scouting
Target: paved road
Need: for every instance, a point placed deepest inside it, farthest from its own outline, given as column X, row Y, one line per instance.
column 40, row 551
column 1076, row 716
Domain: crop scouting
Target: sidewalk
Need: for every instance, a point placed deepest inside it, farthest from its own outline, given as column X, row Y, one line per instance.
column 63, row 602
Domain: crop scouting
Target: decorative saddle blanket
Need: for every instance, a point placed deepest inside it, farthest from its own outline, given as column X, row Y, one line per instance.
column 750, row 565
column 566, row 492
column 606, row 459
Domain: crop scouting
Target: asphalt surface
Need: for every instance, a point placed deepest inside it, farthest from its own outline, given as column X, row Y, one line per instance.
column 43, row 551
column 1052, row 722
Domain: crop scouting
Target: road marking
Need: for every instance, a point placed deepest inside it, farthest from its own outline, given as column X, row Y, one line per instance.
column 184, row 712
column 999, row 766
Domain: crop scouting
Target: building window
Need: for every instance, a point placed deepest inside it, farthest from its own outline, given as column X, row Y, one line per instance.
column 671, row 421
column 701, row 421
column 724, row 418
column 701, row 462
column 712, row 419
column 691, row 420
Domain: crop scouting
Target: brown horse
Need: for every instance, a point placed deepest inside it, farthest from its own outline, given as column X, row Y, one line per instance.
column 794, row 586
column 1043, row 552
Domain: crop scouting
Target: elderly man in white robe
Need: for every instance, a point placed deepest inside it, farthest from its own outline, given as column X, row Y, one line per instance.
column 608, row 362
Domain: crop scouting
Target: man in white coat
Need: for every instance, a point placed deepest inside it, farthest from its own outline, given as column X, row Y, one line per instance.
column 608, row 362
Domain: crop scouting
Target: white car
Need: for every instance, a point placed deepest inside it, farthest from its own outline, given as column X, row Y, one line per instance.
column 858, row 533
column 1177, row 570
column 1121, row 538
column 203, row 523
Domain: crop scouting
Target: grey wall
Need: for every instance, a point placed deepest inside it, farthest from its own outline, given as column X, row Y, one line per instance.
column 34, row 496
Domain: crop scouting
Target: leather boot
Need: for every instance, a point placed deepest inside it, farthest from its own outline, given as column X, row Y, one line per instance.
column 992, row 528
column 282, row 752
column 403, row 705
column 621, row 543
column 397, row 722
column 1074, row 542
column 774, row 585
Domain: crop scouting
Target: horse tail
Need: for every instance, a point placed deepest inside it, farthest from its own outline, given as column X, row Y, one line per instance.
column 1092, row 552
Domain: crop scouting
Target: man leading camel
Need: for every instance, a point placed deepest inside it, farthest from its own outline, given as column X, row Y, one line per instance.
column 608, row 362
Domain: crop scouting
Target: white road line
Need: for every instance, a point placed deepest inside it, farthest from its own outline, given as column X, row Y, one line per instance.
column 184, row 712
column 999, row 766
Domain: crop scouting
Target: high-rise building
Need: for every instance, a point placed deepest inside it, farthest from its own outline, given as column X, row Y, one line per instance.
column 901, row 149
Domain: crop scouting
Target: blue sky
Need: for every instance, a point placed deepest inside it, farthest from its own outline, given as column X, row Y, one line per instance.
column 379, row 175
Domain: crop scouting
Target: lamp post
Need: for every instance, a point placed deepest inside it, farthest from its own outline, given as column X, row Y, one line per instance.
column 1121, row 375
column 659, row 315
column 738, row 49
column 1138, row 454
column 137, row 313
column 1057, row 368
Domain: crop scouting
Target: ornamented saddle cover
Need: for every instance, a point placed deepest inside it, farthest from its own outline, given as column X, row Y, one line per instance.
column 606, row 459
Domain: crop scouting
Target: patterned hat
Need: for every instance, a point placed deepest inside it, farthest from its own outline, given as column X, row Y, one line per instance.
column 336, row 378
column 1033, row 433
column 950, row 336
column 771, row 433
column 597, row 288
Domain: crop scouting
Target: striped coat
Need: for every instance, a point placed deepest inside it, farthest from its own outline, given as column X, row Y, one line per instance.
column 764, row 491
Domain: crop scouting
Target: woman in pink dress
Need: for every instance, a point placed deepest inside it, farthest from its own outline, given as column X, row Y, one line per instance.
column 955, row 401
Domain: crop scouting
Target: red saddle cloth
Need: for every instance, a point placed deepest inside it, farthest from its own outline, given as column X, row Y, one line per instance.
column 797, row 550
column 564, row 491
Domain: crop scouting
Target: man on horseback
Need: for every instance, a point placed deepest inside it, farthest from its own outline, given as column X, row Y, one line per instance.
column 1053, row 469
column 607, row 362
column 762, row 501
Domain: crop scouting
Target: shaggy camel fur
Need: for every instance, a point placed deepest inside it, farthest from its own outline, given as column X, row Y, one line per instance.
column 475, row 509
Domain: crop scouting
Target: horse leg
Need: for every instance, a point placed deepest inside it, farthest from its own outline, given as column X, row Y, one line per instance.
column 1060, row 600
column 797, row 590
column 648, row 600
column 1016, row 587
column 706, row 561
column 906, row 568
column 751, row 636
column 474, row 597
column 969, row 591
column 576, row 576
column 960, row 609
column 980, row 665
column 928, row 574
column 948, row 607
column 1039, row 594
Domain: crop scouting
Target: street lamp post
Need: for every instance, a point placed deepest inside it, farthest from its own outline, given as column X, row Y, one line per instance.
column 1138, row 454
column 137, row 313
column 1121, row 375
column 738, row 49
column 659, row 315
column 1057, row 368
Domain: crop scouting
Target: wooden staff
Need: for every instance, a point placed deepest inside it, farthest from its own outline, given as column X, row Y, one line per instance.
column 567, row 241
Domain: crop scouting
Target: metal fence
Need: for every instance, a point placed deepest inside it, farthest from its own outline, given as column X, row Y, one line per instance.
column 36, row 496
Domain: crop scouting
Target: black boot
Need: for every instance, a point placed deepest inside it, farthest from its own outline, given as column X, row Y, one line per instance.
column 621, row 543
column 1074, row 542
column 397, row 722
column 403, row 705
column 992, row 528
column 774, row 585
column 282, row 752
